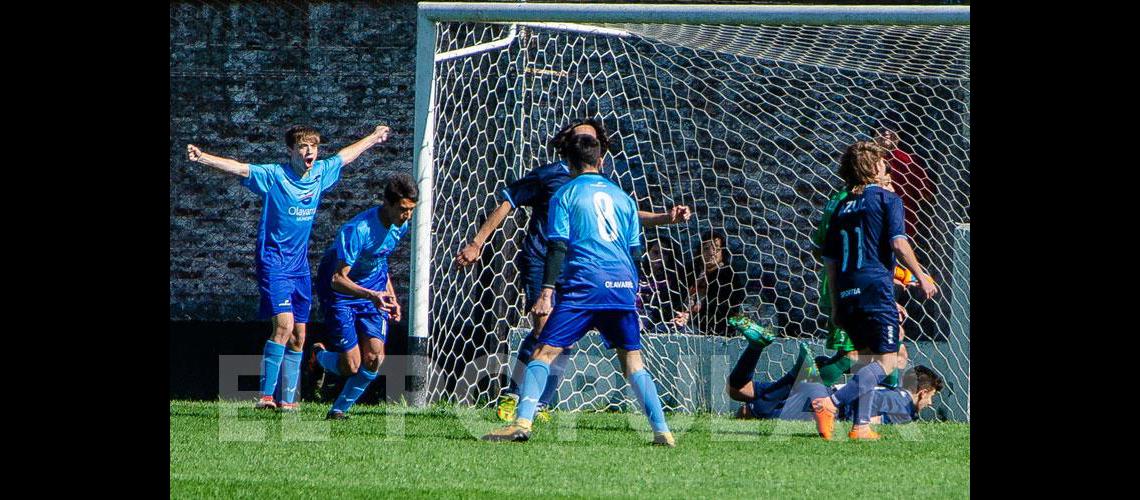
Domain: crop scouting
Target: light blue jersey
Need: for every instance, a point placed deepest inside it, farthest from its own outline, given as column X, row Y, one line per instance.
column 598, row 221
column 364, row 243
column 289, row 206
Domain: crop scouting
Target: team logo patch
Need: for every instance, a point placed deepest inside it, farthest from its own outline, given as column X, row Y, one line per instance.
column 307, row 197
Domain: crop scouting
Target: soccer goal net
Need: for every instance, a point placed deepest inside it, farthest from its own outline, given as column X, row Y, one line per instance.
column 738, row 112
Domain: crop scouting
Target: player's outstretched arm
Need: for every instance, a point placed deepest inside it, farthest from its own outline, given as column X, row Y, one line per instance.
column 470, row 253
column 679, row 213
column 343, row 284
column 224, row 164
column 906, row 254
column 353, row 151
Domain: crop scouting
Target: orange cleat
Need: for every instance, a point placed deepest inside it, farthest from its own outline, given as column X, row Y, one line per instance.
column 823, row 410
column 863, row 433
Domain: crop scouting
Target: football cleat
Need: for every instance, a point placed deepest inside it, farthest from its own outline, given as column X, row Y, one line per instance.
column 543, row 415
column 863, row 433
column 336, row 415
column 751, row 331
column 824, row 417
column 518, row 432
column 508, row 403
column 288, row 407
column 265, row 403
column 664, row 439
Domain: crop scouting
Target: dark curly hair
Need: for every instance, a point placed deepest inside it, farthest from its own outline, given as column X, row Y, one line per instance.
column 560, row 141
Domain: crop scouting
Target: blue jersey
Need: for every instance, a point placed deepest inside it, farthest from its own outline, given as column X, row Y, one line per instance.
column 859, row 238
column 895, row 406
column 289, row 205
column 364, row 243
column 598, row 221
column 535, row 190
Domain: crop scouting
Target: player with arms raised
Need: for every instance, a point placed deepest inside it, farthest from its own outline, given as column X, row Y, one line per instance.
column 863, row 238
column 593, row 253
column 290, row 193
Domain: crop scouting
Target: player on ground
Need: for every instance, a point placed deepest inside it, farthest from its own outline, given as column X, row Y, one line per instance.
column 355, row 289
column 789, row 397
column 594, row 232
column 863, row 239
column 534, row 190
column 290, row 195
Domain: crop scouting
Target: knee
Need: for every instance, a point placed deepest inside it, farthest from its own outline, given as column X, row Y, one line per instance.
column 350, row 366
column 283, row 330
column 373, row 361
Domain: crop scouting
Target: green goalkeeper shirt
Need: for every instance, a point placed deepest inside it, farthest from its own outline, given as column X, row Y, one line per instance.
column 817, row 241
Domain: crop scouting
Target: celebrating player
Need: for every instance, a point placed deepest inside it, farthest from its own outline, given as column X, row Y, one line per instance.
column 593, row 253
column 356, row 292
column 535, row 190
column 290, row 195
column 863, row 238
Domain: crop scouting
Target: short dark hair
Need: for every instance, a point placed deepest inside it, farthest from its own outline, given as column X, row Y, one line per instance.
column 920, row 377
column 582, row 151
column 298, row 132
column 399, row 186
column 561, row 140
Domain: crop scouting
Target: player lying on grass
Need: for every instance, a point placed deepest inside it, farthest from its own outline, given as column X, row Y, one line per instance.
column 595, row 246
column 356, row 294
column 864, row 236
column 290, row 195
column 789, row 397
column 535, row 190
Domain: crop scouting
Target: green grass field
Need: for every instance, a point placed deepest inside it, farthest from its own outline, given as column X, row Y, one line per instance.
column 231, row 450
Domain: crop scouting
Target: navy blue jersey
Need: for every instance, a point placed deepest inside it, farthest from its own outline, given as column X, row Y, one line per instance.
column 535, row 190
column 859, row 239
column 895, row 406
column 598, row 221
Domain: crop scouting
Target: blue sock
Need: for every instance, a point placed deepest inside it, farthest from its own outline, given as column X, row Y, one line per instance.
column 526, row 349
column 557, row 368
column 741, row 373
column 290, row 375
column 646, row 391
column 271, row 366
column 330, row 361
column 861, row 384
column 534, row 381
column 353, row 388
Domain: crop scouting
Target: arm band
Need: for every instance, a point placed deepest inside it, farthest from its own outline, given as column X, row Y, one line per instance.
column 555, row 257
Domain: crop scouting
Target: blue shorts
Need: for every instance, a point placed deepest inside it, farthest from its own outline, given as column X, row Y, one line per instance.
column 285, row 294
column 347, row 321
column 869, row 316
column 619, row 328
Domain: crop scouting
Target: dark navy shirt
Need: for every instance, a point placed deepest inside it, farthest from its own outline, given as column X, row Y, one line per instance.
column 859, row 237
column 535, row 190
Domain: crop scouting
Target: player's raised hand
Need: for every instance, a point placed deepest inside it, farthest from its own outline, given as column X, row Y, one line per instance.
column 679, row 213
column 193, row 153
column 680, row 319
column 381, row 133
column 468, row 255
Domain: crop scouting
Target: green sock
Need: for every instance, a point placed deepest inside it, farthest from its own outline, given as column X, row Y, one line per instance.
column 832, row 370
column 892, row 380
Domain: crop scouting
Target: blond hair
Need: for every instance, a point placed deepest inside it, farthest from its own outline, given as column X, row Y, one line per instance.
column 859, row 165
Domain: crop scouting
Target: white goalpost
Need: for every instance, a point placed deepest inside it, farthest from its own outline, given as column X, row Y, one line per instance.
column 739, row 112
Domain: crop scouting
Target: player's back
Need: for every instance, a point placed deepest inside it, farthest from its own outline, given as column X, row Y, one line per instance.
column 598, row 221
column 860, row 234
